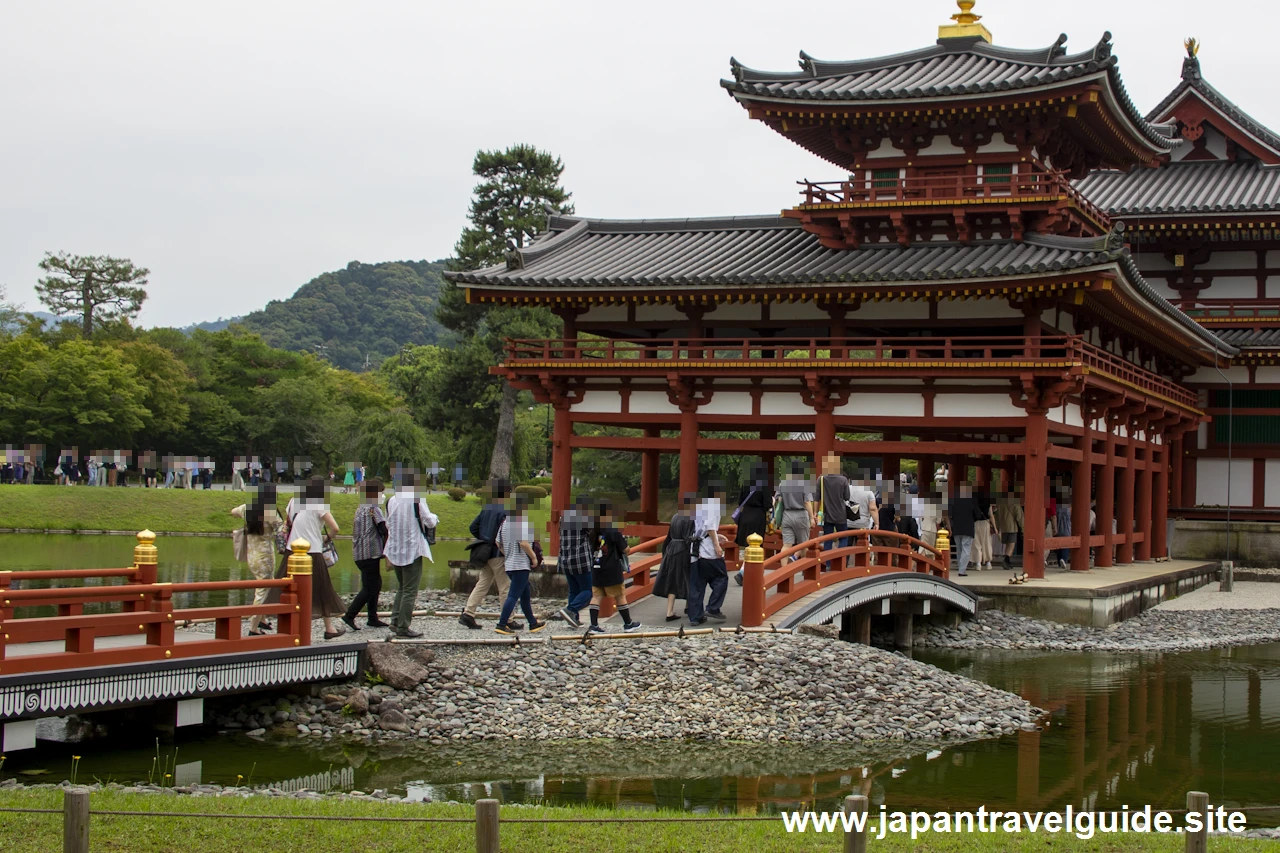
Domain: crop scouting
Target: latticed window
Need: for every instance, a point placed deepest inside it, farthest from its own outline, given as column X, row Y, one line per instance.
column 997, row 174
column 1251, row 428
column 881, row 178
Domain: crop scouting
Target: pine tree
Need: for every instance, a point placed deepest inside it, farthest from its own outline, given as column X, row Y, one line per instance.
column 96, row 287
column 509, row 208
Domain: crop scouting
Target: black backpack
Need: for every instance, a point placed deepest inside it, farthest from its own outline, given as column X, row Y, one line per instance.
column 908, row 526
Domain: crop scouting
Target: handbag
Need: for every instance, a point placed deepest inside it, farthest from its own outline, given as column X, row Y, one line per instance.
column 775, row 518
column 428, row 533
column 240, row 545
column 283, row 528
column 329, row 553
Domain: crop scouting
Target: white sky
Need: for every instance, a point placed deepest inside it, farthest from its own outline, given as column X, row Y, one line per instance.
column 239, row 150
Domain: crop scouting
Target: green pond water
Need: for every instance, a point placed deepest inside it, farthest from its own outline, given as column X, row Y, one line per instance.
column 1123, row 729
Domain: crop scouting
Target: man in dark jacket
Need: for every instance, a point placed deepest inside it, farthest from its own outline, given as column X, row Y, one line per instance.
column 964, row 515
column 490, row 570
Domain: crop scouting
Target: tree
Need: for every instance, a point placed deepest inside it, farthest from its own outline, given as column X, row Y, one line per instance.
column 9, row 314
column 508, row 209
column 390, row 438
column 96, row 287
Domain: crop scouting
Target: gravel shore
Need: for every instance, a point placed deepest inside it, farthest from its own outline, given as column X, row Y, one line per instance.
column 1162, row 629
column 758, row 688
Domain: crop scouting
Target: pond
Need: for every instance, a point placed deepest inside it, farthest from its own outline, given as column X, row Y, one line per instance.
column 185, row 559
column 1123, row 729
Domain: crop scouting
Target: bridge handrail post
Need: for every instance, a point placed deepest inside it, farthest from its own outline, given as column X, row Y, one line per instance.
column 944, row 551
column 299, row 568
column 753, row 582
column 146, row 558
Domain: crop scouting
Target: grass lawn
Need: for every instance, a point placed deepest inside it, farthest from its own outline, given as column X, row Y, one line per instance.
column 182, row 510
column 39, row 833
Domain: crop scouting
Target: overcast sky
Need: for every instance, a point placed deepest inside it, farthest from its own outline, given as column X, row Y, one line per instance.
column 239, row 149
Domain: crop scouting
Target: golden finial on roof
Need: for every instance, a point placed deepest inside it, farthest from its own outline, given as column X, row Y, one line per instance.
column 1192, row 46
column 966, row 24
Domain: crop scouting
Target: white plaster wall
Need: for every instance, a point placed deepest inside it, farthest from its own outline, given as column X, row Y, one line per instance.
column 1202, row 436
column 1230, row 261
column 1273, row 285
column 1268, row 374
column 1067, row 413
column 1231, row 287
column 1162, row 287
column 903, row 310
column 609, row 402
column 604, row 314
column 1211, row 482
column 975, row 309
column 778, row 403
column 975, row 406
column 884, row 405
column 651, row 403
column 884, row 149
column 1272, row 489
column 1153, row 262
column 797, row 311
column 661, row 314
column 1211, row 375
column 723, row 404
column 745, row 311
column 998, row 146
column 1215, row 142
column 941, row 145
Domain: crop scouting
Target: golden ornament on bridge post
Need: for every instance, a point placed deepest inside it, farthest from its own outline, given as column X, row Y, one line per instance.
column 753, row 582
column 300, row 573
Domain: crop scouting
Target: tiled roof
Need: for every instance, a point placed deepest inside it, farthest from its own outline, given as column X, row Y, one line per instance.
column 773, row 250
column 952, row 67
column 1250, row 338
column 1193, row 80
column 1205, row 186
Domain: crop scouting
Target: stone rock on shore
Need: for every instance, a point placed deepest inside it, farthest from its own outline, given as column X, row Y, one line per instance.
column 396, row 666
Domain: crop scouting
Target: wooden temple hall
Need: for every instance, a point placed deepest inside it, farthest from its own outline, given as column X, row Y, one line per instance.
column 1018, row 274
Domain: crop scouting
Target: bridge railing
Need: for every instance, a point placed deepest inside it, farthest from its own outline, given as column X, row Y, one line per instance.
column 801, row 570
column 146, row 610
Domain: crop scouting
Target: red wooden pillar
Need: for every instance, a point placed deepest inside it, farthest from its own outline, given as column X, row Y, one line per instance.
column 561, row 473
column 1081, row 491
column 1033, row 492
column 824, row 437
column 1143, row 499
column 1124, row 515
column 649, row 479
column 1175, row 470
column 924, row 474
column 689, row 451
column 983, row 479
column 769, row 459
column 1190, row 467
column 1160, row 504
column 1107, row 498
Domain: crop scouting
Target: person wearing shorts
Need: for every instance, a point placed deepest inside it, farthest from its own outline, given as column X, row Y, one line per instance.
column 606, row 576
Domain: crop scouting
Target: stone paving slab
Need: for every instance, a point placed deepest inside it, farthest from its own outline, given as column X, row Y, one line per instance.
column 1246, row 595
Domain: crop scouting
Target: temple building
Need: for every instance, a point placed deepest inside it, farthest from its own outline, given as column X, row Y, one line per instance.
column 1021, row 276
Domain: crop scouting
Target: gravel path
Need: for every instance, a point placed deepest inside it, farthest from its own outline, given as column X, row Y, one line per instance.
column 760, row 688
column 1246, row 595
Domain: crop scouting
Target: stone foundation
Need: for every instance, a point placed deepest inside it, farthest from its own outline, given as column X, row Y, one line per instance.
column 1255, row 544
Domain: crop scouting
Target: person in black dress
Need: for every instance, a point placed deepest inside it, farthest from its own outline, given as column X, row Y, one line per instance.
column 753, row 511
column 673, row 573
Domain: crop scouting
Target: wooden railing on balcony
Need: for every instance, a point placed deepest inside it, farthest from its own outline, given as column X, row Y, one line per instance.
column 959, row 188
column 146, row 609
column 1057, row 352
column 1241, row 312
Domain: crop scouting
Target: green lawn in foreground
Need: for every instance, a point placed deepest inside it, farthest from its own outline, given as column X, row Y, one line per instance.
column 27, row 833
column 181, row 510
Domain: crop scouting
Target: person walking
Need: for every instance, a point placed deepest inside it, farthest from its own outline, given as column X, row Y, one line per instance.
column 1064, row 526
column 752, row 514
column 310, row 519
column 577, row 532
column 963, row 517
column 886, row 520
column 348, row 480
column 982, row 551
column 368, row 538
column 673, row 572
column 408, row 519
column 799, row 507
column 708, row 569
column 833, row 491
column 607, row 573
column 261, row 518
column 515, row 541
column 486, row 558
column 863, row 510
column 1009, row 522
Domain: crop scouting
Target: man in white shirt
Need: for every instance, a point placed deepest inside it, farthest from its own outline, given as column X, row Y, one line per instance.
column 708, row 568
column 408, row 518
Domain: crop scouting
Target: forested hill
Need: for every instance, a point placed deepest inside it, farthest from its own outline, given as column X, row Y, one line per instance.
column 365, row 310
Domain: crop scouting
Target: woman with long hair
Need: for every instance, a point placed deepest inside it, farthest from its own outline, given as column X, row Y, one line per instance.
column 753, row 512
column 309, row 519
column 673, row 573
column 260, row 522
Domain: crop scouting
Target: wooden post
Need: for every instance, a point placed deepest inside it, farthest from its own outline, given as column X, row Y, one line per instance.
column 688, row 451
column 1144, row 499
column 1107, row 499
column 902, row 630
column 299, row 568
column 75, row 820
column 855, row 841
column 943, row 544
column 1124, row 515
column 487, row 826
column 649, row 479
column 1160, row 499
column 753, row 582
column 1081, row 490
column 561, row 471
column 1226, row 581
column 1198, row 842
column 145, row 558
column 862, row 627
column 1033, row 493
